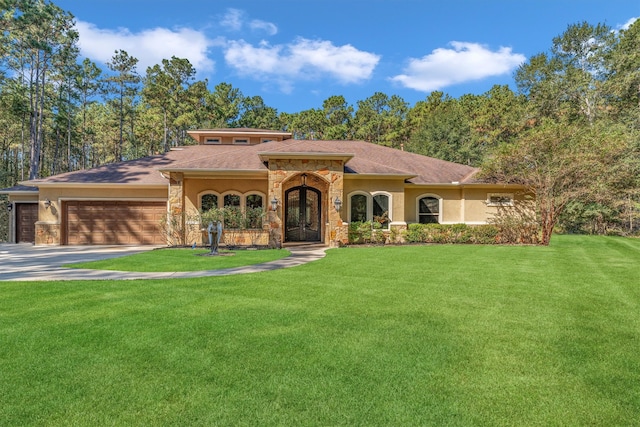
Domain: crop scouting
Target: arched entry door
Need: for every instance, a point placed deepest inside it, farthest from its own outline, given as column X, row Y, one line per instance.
column 302, row 213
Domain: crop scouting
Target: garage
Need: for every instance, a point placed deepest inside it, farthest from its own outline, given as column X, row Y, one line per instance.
column 113, row 222
column 26, row 218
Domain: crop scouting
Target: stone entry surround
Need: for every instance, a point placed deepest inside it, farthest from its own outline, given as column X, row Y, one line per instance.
column 324, row 174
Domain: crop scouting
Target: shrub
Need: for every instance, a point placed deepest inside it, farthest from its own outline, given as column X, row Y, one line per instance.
column 451, row 233
column 366, row 232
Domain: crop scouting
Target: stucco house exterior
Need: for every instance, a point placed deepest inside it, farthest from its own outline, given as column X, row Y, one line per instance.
column 310, row 191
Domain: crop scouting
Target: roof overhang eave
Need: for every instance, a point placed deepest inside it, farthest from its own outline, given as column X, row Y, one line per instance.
column 353, row 175
column 209, row 172
column 265, row 156
column 97, row 185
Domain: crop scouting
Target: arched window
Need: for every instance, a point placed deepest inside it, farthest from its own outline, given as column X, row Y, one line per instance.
column 381, row 212
column 208, row 201
column 358, row 203
column 254, row 211
column 232, row 200
column 429, row 210
column 254, row 201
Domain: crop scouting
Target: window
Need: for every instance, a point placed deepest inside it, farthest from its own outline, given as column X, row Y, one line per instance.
column 358, row 208
column 243, row 141
column 254, row 211
column 232, row 200
column 366, row 207
column 429, row 210
column 381, row 209
column 499, row 199
column 212, row 141
column 254, row 201
column 208, row 202
column 232, row 211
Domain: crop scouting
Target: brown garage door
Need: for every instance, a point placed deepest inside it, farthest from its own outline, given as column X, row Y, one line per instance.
column 114, row 223
column 26, row 217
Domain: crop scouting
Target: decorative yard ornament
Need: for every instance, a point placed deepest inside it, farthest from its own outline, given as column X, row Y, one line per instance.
column 215, row 233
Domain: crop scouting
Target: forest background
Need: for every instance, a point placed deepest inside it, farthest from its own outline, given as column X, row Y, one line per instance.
column 569, row 133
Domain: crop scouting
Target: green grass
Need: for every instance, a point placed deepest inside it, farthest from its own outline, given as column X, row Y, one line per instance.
column 172, row 259
column 383, row 336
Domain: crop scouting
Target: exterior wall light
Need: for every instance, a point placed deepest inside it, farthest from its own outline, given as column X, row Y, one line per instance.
column 274, row 203
column 337, row 203
column 47, row 203
column 9, row 206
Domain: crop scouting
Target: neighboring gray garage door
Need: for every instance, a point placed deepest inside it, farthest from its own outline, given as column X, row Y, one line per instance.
column 114, row 223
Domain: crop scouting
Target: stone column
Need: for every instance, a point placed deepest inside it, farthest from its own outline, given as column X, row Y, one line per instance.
column 175, row 216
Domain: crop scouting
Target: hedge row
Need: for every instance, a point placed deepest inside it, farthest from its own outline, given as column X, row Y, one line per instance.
column 453, row 233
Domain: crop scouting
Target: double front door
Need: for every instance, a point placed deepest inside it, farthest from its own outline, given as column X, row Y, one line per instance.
column 302, row 213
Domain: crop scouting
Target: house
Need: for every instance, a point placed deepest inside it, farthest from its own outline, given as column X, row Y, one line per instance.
column 310, row 190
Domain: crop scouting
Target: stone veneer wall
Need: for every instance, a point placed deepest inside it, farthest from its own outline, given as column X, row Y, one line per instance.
column 324, row 174
column 47, row 233
column 176, row 208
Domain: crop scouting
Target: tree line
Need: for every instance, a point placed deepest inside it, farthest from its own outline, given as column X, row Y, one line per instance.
column 568, row 133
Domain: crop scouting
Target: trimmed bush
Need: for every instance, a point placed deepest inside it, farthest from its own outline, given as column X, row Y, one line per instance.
column 452, row 233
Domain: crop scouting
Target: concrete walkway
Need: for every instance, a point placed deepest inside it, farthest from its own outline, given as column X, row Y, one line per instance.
column 25, row 262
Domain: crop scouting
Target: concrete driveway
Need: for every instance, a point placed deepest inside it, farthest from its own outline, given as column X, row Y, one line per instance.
column 28, row 262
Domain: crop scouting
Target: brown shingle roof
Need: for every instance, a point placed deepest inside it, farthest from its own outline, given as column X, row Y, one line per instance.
column 368, row 159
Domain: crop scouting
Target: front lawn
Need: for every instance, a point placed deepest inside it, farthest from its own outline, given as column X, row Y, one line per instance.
column 397, row 336
column 183, row 259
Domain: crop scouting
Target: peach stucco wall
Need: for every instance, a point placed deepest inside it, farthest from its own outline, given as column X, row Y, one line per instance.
column 193, row 187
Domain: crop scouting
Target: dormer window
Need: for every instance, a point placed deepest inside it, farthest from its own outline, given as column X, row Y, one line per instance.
column 212, row 141
column 241, row 141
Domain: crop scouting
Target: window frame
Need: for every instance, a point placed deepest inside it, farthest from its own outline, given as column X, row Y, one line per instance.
column 241, row 141
column 369, row 207
column 213, row 141
column 501, row 203
column 350, row 207
column 205, row 193
column 440, row 207
column 387, row 225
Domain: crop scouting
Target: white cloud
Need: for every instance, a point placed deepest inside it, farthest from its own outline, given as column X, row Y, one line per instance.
column 235, row 19
column 465, row 62
column 267, row 27
column 303, row 59
column 627, row 24
column 150, row 47
column 232, row 20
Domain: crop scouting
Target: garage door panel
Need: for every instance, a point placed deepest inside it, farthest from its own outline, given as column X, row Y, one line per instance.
column 26, row 218
column 114, row 223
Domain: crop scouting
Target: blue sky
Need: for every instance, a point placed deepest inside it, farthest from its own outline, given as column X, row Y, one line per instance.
column 297, row 53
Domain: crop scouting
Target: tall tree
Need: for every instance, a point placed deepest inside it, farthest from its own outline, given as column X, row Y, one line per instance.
column 624, row 78
column 307, row 124
column 255, row 114
column 338, row 116
column 444, row 133
column 570, row 80
column 89, row 87
column 223, row 106
column 35, row 32
column 123, row 84
column 169, row 88
column 380, row 119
